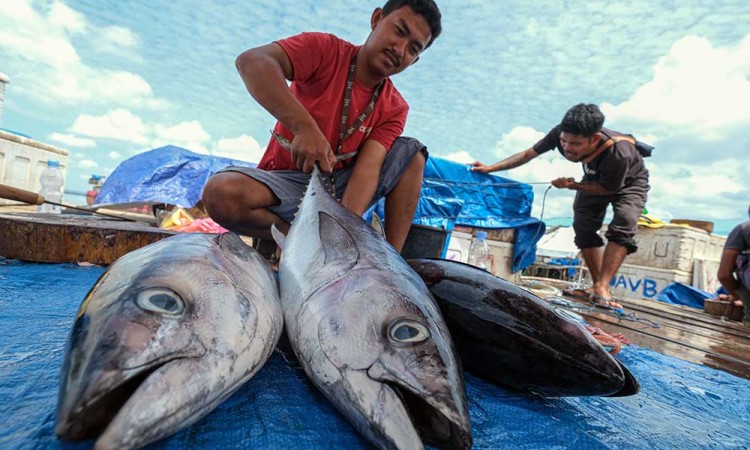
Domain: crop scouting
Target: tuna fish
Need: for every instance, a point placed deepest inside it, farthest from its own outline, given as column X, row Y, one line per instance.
column 367, row 331
column 511, row 337
column 166, row 334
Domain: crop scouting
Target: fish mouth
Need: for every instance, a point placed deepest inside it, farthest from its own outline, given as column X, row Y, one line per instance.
column 435, row 428
column 86, row 418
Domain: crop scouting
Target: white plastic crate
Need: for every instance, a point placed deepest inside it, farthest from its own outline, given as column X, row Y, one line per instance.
column 22, row 161
column 674, row 247
column 633, row 281
column 499, row 260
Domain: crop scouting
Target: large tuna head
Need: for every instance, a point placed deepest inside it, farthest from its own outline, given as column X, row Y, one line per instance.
column 167, row 333
column 388, row 364
column 512, row 337
column 367, row 331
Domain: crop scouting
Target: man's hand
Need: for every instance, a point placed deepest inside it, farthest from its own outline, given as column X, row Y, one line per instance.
column 480, row 167
column 563, row 183
column 310, row 147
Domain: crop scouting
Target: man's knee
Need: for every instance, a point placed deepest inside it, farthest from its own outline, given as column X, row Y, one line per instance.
column 624, row 239
column 417, row 164
column 586, row 239
column 227, row 195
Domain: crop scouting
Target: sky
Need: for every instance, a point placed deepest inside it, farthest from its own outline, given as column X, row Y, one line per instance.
column 108, row 79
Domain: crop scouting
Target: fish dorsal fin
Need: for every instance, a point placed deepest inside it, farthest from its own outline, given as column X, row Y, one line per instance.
column 278, row 236
column 339, row 246
column 229, row 240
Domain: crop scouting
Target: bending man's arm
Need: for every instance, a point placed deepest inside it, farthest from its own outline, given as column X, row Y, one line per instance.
column 264, row 70
column 589, row 187
column 510, row 162
column 725, row 273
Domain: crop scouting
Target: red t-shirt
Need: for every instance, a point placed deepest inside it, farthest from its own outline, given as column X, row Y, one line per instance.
column 321, row 66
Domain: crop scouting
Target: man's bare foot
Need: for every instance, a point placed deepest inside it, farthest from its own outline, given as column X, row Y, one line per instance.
column 578, row 293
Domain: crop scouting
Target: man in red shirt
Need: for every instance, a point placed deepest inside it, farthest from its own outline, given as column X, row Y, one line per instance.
column 341, row 102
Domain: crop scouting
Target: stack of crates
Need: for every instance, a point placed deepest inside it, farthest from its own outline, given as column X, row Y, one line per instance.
column 665, row 255
column 22, row 161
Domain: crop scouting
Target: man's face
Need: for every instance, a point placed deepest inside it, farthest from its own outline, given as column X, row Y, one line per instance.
column 396, row 40
column 577, row 147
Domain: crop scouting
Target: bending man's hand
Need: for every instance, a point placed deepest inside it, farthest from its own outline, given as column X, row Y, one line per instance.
column 480, row 167
column 563, row 183
column 311, row 147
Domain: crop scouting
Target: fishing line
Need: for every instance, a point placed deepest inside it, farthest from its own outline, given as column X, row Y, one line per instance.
column 515, row 184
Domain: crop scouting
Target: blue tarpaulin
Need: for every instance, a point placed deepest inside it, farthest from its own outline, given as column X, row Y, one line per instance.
column 681, row 405
column 489, row 202
column 176, row 176
column 682, row 294
column 170, row 174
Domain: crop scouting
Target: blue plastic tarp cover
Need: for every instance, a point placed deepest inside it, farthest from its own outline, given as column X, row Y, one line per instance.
column 176, row 176
column 682, row 294
column 490, row 202
column 681, row 405
column 170, row 174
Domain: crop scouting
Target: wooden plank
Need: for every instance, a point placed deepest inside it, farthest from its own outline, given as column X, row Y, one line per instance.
column 64, row 238
column 723, row 351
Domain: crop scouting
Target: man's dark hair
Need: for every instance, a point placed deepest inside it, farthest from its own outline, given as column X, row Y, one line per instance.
column 425, row 8
column 582, row 120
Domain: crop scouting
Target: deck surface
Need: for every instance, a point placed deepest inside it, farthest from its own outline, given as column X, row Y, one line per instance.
column 674, row 330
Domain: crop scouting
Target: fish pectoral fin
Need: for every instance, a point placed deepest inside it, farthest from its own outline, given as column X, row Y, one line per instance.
column 278, row 236
column 377, row 224
column 339, row 246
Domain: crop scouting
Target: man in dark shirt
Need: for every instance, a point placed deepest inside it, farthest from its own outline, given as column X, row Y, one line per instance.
column 614, row 173
column 736, row 260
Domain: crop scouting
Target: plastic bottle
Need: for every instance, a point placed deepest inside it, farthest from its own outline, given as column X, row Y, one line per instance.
column 478, row 250
column 51, row 182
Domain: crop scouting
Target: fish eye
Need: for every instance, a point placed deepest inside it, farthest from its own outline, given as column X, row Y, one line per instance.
column 161, row 301
column 408, row 332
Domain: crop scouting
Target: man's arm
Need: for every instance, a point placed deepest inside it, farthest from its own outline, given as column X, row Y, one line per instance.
column 365, row 176
column 589, row 187
column 510, row 162
column 264, row 70
column 725, row 273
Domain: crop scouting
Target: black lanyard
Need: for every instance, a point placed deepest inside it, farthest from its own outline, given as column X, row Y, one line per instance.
column 346, row 104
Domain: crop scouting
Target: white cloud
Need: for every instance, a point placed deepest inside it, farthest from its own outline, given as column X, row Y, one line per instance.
column 189, row 135
column 119, row 124
column 114, row 155
column 461, row 157
column 244, row 148
column 49, row 69
column 87, row 164
column 697, row 90
column 119, row 36
column 73, row 140
column 66, row 18
column 516, row 140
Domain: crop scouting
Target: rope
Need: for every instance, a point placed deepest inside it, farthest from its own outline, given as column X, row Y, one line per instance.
column 516, row 184
column 603, row 309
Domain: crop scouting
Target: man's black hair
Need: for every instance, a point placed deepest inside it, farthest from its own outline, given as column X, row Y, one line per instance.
column 425, row 8
column 582, row 120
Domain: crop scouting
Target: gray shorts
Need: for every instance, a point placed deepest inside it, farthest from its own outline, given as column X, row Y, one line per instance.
column 589, row 211
column 289, row 185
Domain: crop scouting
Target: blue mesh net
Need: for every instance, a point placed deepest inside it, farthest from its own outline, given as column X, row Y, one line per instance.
column 681, row 405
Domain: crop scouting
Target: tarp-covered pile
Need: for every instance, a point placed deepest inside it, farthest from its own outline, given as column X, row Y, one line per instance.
column 171, row 175
column 451, row 194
